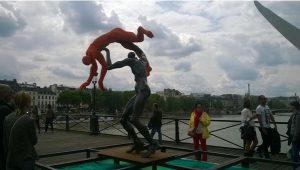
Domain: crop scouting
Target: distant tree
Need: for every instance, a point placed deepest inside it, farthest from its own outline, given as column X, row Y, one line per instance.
column 217, row 104
column 65, row 98
column 85, row 96
column 276, row 104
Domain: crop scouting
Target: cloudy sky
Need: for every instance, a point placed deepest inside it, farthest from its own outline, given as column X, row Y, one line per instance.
column 212, row 47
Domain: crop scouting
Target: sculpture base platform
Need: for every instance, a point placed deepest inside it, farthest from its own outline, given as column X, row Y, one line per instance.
column 119, row 154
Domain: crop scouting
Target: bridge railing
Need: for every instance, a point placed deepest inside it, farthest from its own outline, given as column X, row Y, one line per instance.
column 223, row 133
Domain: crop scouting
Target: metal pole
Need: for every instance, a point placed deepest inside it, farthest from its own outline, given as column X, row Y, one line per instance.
column 67, row 122
column 94, row 125
column 94, row 98
column 177, row 140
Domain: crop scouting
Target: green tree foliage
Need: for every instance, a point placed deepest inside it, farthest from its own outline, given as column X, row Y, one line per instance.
column 74, row 98
column 277, row 104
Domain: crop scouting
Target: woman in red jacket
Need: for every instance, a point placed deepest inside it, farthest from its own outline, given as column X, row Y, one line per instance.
column 118, row 35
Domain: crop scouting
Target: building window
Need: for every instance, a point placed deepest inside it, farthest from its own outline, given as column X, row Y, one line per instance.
column 45, row 97
column 42, row 97
column 38, row 97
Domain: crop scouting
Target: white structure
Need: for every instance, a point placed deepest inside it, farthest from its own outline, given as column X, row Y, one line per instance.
column 41, row 97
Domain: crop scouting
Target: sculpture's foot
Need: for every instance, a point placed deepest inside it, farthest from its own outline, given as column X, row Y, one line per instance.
column 137, row 147
column 146, row 32
column 151, row 150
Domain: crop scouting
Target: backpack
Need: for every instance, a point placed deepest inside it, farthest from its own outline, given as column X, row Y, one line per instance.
column 276, row 143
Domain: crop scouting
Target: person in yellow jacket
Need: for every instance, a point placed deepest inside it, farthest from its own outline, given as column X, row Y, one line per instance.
column 198, row 129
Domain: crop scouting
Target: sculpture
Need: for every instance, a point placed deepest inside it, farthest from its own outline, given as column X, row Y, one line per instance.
column 135, row 105
column 117, row 35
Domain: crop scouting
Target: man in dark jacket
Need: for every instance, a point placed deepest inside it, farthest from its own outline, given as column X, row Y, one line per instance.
column 20, row 135
column 295, row 131
column 155, row 122
column 5, row 109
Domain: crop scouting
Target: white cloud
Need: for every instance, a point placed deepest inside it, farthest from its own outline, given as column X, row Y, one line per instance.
column 10, row 20
column 215, row 47
column 87, row 16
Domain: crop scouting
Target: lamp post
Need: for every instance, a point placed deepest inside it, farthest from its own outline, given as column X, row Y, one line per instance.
column 94, row 125
column 94, row 95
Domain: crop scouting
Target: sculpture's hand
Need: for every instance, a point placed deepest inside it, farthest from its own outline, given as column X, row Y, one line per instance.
column 83, row 86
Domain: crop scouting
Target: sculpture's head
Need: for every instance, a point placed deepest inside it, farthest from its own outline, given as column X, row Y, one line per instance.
column 131, row 55
column 86, row 60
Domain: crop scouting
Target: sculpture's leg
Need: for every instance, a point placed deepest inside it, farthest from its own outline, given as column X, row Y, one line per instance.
column 140, row 100
column 138, row 144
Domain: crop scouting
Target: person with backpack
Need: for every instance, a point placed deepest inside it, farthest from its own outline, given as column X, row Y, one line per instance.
column 264, row 116
column 155, row 122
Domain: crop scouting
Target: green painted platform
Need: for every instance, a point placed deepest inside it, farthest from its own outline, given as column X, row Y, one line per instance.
column 108, row 164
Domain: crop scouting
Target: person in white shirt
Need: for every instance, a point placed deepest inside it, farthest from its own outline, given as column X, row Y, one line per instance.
column 264, row 116
column 249, row 134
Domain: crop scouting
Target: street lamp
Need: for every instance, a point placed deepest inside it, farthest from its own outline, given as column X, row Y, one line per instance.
column 94, row 81
column 94, row 125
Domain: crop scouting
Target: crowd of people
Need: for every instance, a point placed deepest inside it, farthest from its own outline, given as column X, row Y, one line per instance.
column 270, row 136
column 19, row 123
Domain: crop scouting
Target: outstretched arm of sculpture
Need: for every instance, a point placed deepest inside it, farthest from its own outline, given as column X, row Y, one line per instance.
column 93, row 72
column 139, row 52
column 108, row 60
column 118, row 64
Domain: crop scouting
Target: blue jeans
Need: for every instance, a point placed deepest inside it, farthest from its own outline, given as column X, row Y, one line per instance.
column 295, row 153
column 158, row 130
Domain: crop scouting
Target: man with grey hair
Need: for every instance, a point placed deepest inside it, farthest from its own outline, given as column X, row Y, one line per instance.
column 6, row 95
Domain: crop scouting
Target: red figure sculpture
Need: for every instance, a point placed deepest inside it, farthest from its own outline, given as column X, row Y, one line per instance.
column 117, row 35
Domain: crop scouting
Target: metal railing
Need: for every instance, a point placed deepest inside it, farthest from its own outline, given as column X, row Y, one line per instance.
column 81, row 122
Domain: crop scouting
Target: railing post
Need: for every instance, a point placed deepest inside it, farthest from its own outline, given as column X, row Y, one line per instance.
column 67, row 122
column 177, row 140
column 88, row 153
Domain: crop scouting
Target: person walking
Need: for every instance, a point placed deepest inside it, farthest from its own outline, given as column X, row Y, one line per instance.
column 36, row 118
column 155, row 122
column 49, row 118
column 198, row 129
column 264, row 116
column 295, row 131
column 248, row 134
column 6, row 95
column 20, row 136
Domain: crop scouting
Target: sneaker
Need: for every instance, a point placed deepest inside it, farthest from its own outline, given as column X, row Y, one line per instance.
column 259, row 153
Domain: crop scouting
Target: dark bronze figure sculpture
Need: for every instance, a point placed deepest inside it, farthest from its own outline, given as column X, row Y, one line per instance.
column 134, row 107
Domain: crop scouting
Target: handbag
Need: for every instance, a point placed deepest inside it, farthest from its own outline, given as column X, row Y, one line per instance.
column 247, row 131
column 191, row 133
